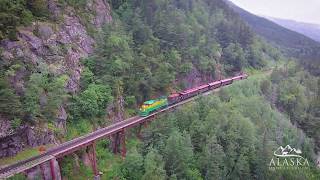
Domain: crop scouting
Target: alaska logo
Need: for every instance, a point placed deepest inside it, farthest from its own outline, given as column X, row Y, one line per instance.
column 288, row 158
column 288, row 151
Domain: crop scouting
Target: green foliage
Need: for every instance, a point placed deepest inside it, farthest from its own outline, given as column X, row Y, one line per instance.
column 81, row 127
column 132, row 167
column 18, row 177
column 68, row 164
column 13, row 14
column 75, row 3
column 44, row 95
column 38, row 8
column 234, row 56
column 32, row 96
column 10, row 104
column 87, row 78
column 151, row 44
column 178, row 155
column 16, row 123
column 213, row 160
column 298, row 96
column 92, row 102
column 154, row 166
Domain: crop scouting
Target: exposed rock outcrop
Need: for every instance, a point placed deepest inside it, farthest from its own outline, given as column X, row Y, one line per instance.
column 58, row 45
column 102, row 11
column 61, row 121
column 39, row 136
column 115, row 111
column 25, row 136
column 5, row 127
column 12, row 144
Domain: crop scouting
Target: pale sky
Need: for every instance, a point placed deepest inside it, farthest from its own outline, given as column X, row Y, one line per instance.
column 298, row 10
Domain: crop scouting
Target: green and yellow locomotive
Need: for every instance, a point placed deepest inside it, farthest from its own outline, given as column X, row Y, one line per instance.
column 153, row 105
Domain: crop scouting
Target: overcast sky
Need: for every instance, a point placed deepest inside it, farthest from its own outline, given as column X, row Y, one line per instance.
column 299, row 10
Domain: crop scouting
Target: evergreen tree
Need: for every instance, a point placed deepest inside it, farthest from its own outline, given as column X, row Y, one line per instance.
column 154, row 166
column 178, row 155
column 132, row 166
column 10, row 104
column 214, row 164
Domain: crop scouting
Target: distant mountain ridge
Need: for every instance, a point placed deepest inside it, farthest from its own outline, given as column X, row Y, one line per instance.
column 310, row 30
column 291, row 43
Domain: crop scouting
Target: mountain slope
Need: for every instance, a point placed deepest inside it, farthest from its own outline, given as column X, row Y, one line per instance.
column 310, row 30
column 145, row 49
column 292, row 43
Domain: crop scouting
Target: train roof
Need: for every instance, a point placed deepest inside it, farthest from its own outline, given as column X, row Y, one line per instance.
column 190, row 90
column 214, row 83
column 224, row 80
column 242, row 75
column 202, row 86
column 149, row 102
column 174, row 95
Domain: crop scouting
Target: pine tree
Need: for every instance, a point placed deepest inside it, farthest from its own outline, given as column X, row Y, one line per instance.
column 154, row 166
column 178, row 155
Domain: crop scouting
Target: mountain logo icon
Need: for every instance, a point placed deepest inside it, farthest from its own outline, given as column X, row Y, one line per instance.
column 287, row 151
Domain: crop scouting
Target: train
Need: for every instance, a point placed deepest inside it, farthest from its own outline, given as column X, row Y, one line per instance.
column 154, row 105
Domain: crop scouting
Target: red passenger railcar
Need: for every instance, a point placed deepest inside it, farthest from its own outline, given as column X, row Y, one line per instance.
column 180, row 96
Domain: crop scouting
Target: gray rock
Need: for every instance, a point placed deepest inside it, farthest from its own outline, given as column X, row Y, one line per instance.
column 34, row 42
column 61, row 121
column 53, row 9
column 7, row 55
column 19, row 53
column 102, row 13
column 45, row 31
column 5, row 126
column 32, row 141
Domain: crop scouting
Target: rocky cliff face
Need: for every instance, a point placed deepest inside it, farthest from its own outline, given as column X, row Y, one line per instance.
column 59, row 45
column 25, row 136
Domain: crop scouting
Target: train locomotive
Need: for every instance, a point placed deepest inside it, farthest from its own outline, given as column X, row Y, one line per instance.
column 153, row 105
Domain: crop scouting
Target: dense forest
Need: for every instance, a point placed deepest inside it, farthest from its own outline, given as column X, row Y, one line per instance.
column 153, row 48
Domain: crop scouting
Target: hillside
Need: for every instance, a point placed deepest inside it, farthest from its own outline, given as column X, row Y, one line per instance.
column 73, row 61
column 71, row 67
column 290, row 42
column 310, row 30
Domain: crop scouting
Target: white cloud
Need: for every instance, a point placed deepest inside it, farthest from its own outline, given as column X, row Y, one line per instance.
column 299, row 10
